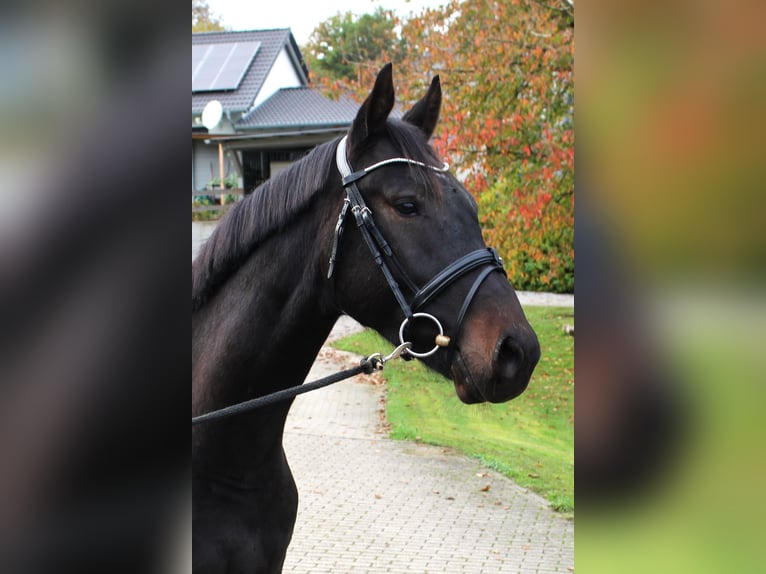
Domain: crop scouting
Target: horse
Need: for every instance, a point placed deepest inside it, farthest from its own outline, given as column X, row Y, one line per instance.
column 397, row 246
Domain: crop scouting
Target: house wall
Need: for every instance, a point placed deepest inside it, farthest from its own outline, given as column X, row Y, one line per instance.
column 203, row 157
column 277, row 166
column 281, row 75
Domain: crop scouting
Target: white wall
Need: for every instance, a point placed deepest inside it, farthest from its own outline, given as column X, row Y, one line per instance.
column 281, row 75
column 205, row 156
column 276, row 166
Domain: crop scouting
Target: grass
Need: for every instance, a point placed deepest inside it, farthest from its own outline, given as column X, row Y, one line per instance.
column 530, row 439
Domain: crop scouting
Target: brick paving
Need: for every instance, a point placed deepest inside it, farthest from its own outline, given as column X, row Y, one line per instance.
column 369, row 504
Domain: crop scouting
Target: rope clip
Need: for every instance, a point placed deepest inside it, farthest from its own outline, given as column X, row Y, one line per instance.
column 377, row 361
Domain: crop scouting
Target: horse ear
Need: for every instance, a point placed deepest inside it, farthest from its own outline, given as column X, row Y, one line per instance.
column 425, row 113
column 372, row 116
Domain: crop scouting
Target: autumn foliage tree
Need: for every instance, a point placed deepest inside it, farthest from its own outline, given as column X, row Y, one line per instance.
column 203, row 20
column 507, row 71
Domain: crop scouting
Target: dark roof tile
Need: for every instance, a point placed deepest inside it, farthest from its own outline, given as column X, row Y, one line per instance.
column 298, row 108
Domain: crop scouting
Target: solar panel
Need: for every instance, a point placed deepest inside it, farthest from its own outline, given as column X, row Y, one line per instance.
column 198, row 54
column 220, row 67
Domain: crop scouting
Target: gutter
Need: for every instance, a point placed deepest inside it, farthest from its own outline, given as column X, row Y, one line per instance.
column 292, row 133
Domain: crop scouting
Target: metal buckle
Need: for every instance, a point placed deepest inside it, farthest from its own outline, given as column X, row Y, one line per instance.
column 338, row 234
column 378, row 361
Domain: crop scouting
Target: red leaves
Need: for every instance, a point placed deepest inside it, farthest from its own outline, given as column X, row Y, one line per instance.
column 506, row 125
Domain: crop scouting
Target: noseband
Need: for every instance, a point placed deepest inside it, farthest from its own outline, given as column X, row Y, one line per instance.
column 379, row 247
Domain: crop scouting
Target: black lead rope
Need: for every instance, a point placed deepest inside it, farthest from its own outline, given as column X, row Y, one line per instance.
column 368, row 365
column 282, row 395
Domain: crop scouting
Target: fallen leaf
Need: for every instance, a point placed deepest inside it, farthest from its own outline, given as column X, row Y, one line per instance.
column 484, row 488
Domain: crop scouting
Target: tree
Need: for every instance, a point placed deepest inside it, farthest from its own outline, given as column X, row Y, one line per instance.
column 507, row 67
column 202, row 18
column 507, row 70
column 346, row 47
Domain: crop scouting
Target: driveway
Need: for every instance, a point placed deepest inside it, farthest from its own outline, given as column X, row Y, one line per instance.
column 371, row 504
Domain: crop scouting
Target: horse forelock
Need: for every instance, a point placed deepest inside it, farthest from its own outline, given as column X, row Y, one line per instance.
column 411, row 144
column 257, row 217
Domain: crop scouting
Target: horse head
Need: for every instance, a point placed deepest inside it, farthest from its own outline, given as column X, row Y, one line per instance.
column 412, row 263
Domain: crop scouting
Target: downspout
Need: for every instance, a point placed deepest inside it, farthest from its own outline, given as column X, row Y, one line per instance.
column 221, row 184
column 237, row 165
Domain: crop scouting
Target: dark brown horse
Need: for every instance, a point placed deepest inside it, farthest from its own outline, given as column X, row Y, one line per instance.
column 265, row 296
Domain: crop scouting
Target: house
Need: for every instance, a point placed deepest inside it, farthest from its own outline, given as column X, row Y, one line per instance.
column 269, row 116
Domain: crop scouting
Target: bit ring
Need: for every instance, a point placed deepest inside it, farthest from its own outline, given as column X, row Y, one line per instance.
column 438, row 326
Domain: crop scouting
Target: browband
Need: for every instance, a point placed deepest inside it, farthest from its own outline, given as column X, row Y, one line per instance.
column 350, row 177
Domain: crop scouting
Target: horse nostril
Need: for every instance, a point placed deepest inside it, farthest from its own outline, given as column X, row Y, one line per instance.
column 508, row 358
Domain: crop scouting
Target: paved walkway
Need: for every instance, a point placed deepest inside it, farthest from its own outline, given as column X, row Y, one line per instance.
column 371, row 504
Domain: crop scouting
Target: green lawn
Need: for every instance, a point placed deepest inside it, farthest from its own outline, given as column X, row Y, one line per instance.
column 529, row 439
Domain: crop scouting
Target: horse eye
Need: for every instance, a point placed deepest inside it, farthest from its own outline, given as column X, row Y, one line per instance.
column 407, row 208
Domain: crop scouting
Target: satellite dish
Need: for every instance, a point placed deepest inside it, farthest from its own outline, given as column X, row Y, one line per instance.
column 211, row 115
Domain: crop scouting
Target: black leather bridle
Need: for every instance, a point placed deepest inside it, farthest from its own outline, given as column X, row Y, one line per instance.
column 378, row 246
column 487, row 258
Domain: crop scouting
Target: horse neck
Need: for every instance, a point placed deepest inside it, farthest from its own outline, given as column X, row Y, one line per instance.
column 261, row 333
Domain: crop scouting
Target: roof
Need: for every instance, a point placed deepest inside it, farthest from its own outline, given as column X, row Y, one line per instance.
column 271, row 42
column 299, row 108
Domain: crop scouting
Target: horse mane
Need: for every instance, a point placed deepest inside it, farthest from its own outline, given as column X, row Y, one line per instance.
column 276, row 202
column 258, row 216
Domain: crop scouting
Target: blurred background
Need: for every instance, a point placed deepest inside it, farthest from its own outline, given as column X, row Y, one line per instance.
column 670, row 264
column 93, row 258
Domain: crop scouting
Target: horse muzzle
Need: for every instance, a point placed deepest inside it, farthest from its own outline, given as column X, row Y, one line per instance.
column 495, row 373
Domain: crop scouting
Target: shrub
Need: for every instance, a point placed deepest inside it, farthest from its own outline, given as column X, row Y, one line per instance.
column 533, row 231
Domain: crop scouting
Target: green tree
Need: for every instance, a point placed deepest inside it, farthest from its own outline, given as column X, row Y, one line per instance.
column 346, row 48
column 203, row 20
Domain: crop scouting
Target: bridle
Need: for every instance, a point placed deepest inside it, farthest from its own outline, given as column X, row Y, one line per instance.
column 487, row 258
column 378, row 246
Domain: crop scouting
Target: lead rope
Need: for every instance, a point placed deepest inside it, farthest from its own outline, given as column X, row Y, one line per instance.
column 368, row 365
